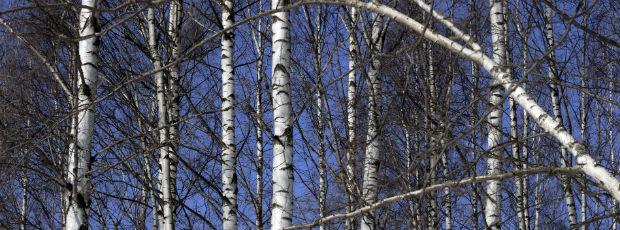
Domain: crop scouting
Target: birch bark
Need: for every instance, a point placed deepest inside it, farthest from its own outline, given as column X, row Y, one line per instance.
column 78, row 202
column 351, row 116
column 494, row 118
column 555, row 101
column 162, row 112
column 229, row 150
column 169, row 162
column 371, row 160
column 282, row 182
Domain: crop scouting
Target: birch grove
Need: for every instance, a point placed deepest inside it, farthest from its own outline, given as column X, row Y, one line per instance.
column 326, row 114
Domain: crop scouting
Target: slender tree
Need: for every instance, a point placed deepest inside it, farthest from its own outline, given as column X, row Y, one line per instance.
column 494, row 117
column 229, row 152
column 350, row 185
column 371, row 160
column 78, row 198
column 258, row 39
column 282, row 175
column 555, row 101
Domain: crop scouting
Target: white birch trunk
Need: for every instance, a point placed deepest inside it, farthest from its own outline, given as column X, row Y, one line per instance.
column 79, row 150
column 584, row 137
column 351, row 101
column 371, row 160
column 229, row 150
column 259, row 147
column 434, row 157
column 169, row 168
column 555, row 100
column 514, row 138
column 494, row 118
column 516, row 155
column 282, row 181
column 162, row 113
column 525, row 155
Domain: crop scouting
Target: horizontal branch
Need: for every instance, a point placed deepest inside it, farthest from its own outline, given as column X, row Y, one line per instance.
column 419, row 192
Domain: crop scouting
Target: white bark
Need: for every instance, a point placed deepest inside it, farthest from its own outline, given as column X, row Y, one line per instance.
column 494, row 118
column 169, row 162
column 229, row 152
column 162, row 113
column 282, row 181
column 433, row 217
column 514, row 138
column 371, row 160
column 555, row 100
column 351, row 101
column 516, row 155
column 78, row 201
column 525, row 155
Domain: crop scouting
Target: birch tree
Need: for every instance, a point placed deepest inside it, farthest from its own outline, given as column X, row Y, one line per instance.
column 494, row 118
column 555, row 101
column 282, row 175
column 351, row 22
column 78, row 197
column 140, row 115
column 161, row 85
column 229, row 152
column 373, row 137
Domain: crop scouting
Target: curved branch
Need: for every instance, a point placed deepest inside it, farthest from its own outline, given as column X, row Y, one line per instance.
column 419, row 192
column 39, row 55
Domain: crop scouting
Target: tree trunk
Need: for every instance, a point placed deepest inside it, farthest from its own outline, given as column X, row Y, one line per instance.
column 525, row 155
column 161, row 84
column 170, row 161
column 555, row 100
column 282, row 181
column 229, row 152
column 78, row 202
column 371, row 160
column 494, row 118
column 351, row 101
column 433, row 217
